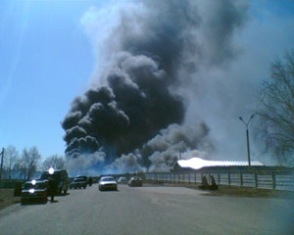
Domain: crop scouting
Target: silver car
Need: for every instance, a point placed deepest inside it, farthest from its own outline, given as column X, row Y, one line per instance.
column 107, row 183
column 135, row 181
column 122, row 180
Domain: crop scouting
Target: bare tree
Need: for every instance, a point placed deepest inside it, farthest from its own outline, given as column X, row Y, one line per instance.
column 11, row 160
column 29, row 162
column 276, row 111
column 55, row 161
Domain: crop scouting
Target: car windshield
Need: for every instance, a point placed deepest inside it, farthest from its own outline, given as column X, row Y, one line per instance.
column 46, row 175
column 108, row 179
column 34, row 186
column 78, row 180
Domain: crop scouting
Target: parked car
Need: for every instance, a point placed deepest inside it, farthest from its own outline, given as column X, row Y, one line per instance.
column 135, row 181
column 34, row 191
column 85, row 178
column 107, row 183
column 122, row 180
column 61, row 178
column 78, row 182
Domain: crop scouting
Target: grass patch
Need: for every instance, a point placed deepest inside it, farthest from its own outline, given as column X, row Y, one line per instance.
column 7, row 198
column 235, row 191
column 251, row 192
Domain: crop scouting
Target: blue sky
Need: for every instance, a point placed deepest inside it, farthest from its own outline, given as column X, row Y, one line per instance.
column 47, row 59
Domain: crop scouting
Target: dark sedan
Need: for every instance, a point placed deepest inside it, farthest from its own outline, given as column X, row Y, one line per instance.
column 135, row 181
column 78, row 183
column 34, row 191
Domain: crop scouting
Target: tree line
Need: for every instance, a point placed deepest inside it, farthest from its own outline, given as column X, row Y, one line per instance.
column 276, row 110
column 24, row 165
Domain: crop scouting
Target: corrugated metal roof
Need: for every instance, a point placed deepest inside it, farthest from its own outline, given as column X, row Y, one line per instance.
column 197, row 163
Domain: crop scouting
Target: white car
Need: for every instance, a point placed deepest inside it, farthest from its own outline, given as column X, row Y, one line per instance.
column 107, row 183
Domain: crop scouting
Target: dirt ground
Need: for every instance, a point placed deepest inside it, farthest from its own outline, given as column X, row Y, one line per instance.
column 7, row 198
column 224, row 190
column 251, row 192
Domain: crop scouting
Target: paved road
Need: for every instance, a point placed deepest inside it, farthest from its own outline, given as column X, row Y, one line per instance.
column 149, row 210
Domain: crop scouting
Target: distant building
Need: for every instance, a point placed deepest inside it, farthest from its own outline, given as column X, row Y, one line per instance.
column 196, row 163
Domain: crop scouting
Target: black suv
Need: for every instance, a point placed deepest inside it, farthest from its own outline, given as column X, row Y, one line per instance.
column 61, row 179
column 79, row 182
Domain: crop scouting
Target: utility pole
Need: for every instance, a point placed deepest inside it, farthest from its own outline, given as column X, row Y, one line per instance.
column 180, row 149
column 1, row 166
column 247, row 137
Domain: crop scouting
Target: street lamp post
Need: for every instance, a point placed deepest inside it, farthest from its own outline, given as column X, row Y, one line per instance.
column 247, row 137
column 51, row 170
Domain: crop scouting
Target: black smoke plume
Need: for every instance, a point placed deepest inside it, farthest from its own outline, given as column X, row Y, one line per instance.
column 152, row 50
column 123, row 115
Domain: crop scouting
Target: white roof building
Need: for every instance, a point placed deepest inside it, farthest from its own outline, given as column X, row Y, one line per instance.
column 197, row 163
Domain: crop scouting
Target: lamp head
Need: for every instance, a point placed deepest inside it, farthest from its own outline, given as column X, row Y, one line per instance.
column 51, row 170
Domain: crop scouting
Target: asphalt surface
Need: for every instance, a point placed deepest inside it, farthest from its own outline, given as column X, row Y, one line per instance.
column 149, row 210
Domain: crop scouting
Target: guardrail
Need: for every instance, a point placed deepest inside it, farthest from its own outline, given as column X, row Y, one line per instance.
column 265, row 180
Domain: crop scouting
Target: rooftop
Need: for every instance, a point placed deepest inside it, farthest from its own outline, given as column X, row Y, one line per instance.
column 197, row 163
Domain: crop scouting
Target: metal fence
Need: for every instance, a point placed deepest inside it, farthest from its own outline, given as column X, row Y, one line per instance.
column 265, row 180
